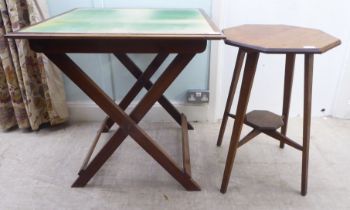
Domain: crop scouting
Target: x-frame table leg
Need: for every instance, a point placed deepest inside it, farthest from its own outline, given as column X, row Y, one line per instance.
column 127, row 123
column 129, row 97
column 145, row 82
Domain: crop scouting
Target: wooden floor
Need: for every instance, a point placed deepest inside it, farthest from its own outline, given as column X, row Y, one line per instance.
column 37, row 169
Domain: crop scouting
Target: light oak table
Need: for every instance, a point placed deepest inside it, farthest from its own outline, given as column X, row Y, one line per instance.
column 277, row 39
column 184, row 32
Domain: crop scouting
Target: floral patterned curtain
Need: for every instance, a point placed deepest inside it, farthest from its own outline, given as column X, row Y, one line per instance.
column 31, row 88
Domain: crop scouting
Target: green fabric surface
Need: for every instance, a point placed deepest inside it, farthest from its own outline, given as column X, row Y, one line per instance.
column 134, row 21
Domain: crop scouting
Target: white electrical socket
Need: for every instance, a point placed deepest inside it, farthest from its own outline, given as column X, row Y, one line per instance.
column 197, row 96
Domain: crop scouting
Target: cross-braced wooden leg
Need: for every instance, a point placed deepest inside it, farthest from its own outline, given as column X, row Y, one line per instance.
column 163, row 101
column 288, row 84
column 231, row 93
column 127, row 124
column 137, row 87
column 309, row 60
column 247, row 83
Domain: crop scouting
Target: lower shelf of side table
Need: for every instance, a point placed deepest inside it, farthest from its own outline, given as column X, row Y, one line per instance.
column 262, row 120
column 266, row 122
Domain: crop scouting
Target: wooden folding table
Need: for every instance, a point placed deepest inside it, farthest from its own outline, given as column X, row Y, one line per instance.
column 184, row 32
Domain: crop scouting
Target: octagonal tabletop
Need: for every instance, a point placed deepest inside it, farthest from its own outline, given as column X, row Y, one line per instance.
column 280, row 39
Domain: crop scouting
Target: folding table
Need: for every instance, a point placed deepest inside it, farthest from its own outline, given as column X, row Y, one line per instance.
column 184, row 32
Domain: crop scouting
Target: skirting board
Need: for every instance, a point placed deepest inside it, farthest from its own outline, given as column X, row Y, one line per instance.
column 89, row 111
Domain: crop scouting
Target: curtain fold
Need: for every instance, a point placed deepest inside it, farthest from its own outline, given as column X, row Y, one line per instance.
column 31, row 88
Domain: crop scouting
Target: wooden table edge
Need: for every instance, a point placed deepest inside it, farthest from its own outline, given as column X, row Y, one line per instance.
column 283, row 50
column 94, row 36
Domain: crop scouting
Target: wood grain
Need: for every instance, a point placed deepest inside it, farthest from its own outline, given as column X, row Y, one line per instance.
column 280, row 39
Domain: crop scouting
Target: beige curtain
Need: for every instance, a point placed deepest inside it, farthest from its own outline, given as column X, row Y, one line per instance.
column 31, row 88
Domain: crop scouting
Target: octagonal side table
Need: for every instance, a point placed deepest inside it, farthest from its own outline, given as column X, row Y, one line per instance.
column 271, row 39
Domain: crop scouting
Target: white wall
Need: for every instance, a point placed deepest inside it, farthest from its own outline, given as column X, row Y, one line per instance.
column 331, row 90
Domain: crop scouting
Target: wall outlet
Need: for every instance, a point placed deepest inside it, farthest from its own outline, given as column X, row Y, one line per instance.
column 197, row 96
